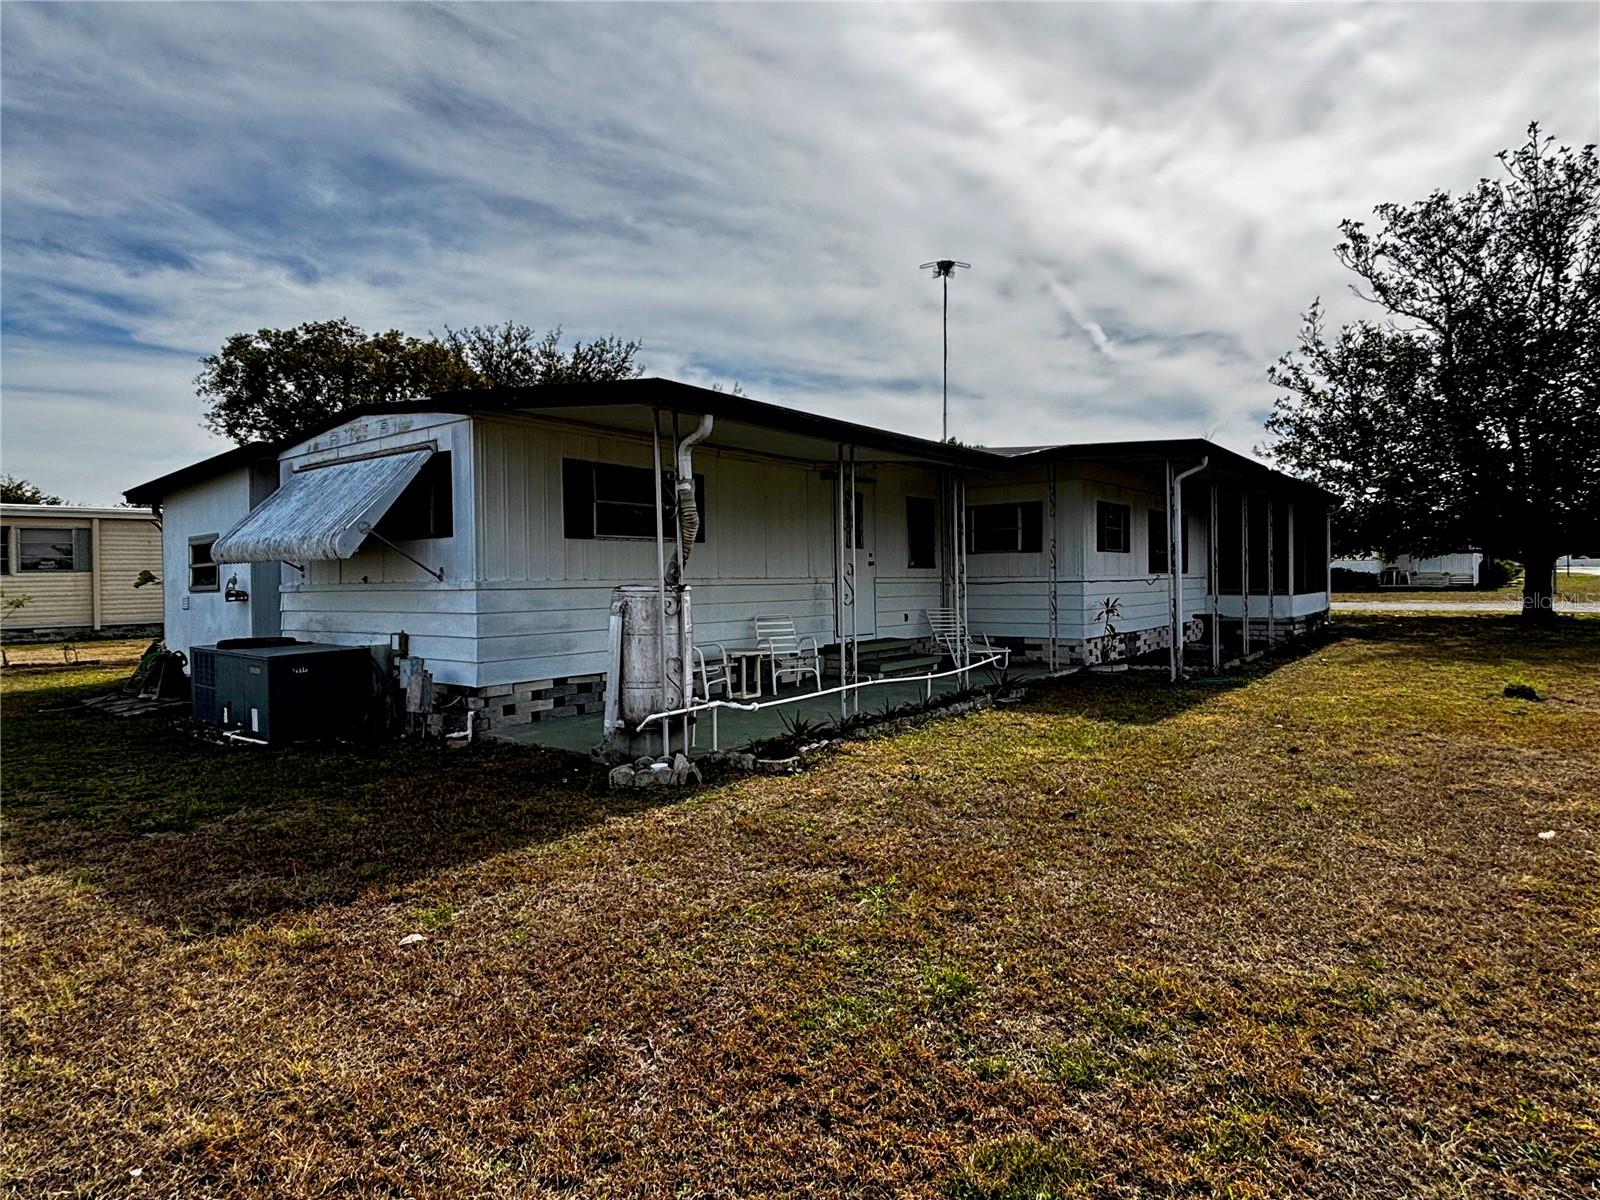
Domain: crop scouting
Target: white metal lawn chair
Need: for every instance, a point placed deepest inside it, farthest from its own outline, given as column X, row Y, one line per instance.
column 788, row 655
column 951, row 637
column 713, row 669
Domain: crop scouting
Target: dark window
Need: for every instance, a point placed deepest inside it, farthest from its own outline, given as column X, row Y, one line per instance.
column 1113, row 528
column 606, row 500
column 1014, row 528
column 1257, row 549
column 5, row 549
column 202, row 571
column 858, row 523
column 1229, row 549
column 921, row 532
column 426, row 508
column 52, row 549
column 1158, row 542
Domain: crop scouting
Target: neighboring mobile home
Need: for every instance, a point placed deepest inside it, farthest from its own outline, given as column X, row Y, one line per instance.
column 77, row 567
column 483, row 533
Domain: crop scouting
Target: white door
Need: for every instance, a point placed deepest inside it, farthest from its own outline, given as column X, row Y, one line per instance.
column 863, row 542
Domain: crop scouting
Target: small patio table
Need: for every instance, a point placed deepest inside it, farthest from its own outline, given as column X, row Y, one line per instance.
column 744, row 672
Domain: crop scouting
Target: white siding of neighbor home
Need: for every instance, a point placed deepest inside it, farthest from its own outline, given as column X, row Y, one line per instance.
column 121, row 546
column 126, row 548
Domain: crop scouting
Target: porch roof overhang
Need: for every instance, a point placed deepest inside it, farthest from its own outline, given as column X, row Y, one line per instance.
column 741, row 423
column 1227, row 468
column 323, row 511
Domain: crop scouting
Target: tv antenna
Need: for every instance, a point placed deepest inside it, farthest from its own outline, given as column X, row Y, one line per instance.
column 943, row 268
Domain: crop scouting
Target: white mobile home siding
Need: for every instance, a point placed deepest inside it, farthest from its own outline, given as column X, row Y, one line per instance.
column 98, row 593
column 362, row 600
column 770, row 543
column 205, row 510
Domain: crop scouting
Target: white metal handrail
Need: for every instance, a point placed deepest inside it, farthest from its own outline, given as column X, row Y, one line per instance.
column 714, row 706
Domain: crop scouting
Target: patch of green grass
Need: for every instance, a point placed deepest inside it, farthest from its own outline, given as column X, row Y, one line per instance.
column 1077, row 1064
column 436, row 916
column 947, row 984
column 1019, row 1169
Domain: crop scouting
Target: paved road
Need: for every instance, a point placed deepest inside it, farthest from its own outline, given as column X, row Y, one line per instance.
column 1445, row 606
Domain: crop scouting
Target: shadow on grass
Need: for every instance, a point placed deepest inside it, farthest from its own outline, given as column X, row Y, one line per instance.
column 1450, row 640
column 199, row 837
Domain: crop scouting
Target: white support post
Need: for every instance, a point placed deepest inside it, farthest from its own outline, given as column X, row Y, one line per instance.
column 661, row 578
column 857, row 521
column 1211, row 570
column 1272, row 574
column 1244, row 570
column 841, row 540
column 1055, row 599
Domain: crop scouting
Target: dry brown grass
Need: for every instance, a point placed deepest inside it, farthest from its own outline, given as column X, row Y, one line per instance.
column 110, row 652
column 1299, row 937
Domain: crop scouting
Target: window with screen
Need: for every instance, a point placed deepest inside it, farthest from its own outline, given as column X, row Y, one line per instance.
column 426, row 509
column 921, row 533
column 46, row 549
column 1158, row 543
column 608, row 500
column 1012, row 528
column 1113, row 527
column 5, row 549
column 202, row 571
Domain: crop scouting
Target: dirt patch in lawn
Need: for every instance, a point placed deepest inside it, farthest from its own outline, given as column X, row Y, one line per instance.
column 1329, row 933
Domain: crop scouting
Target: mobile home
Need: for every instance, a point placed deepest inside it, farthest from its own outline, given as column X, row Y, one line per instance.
column 77, row 567
column 484, row 533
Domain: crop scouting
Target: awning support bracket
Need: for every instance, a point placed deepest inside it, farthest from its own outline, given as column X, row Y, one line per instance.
column 371, row 532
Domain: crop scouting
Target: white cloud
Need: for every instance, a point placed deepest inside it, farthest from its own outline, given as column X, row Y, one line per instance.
column 1148, row 194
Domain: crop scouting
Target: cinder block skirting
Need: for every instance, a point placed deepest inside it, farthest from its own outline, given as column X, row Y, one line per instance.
column 506, row 705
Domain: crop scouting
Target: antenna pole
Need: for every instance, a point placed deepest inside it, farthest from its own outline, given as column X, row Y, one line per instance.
column 942, row 270
column 944, row 436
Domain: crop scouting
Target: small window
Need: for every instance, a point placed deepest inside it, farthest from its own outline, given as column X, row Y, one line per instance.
column 1113, row 524
column 202, row 571
column 607, row 500
column 41, row 549
column 858, row 523
column 1158, row 543
column 1015, row 528
column 426, row 508
column 5, row 549
column 921, row 533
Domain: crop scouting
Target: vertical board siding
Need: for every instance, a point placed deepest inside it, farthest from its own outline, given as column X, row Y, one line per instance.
column 126, row 548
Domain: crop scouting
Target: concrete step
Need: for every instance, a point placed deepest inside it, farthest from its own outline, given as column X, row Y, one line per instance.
column 911, row 665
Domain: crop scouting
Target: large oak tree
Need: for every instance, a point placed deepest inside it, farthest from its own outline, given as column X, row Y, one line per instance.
column 268, row 385
column 1469, row 415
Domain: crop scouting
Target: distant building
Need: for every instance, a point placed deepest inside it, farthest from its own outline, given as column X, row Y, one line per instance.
column 1408, row 571
column 77, row 566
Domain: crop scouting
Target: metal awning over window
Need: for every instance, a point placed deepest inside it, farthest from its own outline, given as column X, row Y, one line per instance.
column 324, row 511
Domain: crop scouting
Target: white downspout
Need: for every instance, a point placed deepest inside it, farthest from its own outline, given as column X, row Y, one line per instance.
column 1175, row 561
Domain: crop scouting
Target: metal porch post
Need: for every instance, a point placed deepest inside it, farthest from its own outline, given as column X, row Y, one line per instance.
column 857, row 521
column 1272, row 574
column 661, row 579
column 1244, row 570
column 1055, row 599
column 1211, row 567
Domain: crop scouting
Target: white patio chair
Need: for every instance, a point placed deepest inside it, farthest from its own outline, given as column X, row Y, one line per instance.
column 788, row 655
column 950, row 636
column 713, row 669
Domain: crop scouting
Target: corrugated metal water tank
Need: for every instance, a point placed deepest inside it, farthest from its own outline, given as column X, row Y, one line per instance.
column 278, row 690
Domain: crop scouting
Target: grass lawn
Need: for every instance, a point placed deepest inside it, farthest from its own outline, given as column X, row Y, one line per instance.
column 1334, row 932
column 113, row 652
column 1578, row 587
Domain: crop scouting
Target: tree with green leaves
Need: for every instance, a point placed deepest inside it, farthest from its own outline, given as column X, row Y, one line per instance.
column 20, row 491
column 513, row 355
column 1469, row 415
column 268, row 385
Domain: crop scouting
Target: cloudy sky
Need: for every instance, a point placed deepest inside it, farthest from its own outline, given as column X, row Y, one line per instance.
column 1148, row 195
